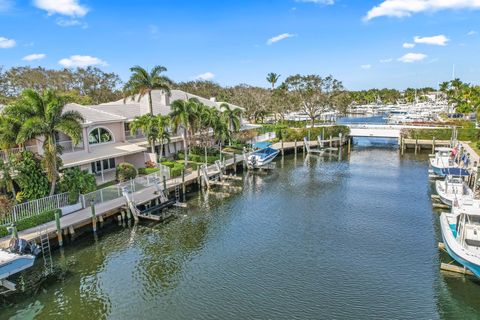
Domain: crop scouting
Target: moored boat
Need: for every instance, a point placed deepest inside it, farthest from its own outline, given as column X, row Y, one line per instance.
column 453, row 188
column 461, row 234
column 442, row 160
column 261, row 157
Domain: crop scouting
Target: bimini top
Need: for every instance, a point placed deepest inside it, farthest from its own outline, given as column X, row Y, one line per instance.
column 261, row 145
column 459, row 172
column 265, row 152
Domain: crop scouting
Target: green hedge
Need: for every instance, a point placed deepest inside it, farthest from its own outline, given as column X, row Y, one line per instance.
column 465, row 134
column 198, row 158
column 293, row 134
column 31, row 222
column 146, row 171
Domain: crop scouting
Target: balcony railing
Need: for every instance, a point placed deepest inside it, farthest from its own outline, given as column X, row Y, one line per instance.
column 68, row 146
column 138, row 135
column 3, row 153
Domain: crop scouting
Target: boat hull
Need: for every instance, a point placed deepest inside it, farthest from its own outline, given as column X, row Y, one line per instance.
column 260, row 162
column 454, row 249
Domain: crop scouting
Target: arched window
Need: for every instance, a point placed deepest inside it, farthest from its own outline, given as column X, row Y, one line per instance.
column 100, row 135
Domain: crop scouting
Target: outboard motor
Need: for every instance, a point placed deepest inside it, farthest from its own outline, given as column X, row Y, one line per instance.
column 23, row 246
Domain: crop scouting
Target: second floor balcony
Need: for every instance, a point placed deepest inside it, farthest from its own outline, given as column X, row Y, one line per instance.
column 68, row 146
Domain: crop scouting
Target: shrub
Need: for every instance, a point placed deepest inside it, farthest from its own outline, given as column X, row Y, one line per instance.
column 145, row 171
column 169, row 164
column 75, row 181
column 176, row 171
column 30, row 176
column 125, row 171
column 31, row 222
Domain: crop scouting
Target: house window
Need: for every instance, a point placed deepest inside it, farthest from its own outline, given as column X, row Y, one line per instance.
column 108, row 164
column 99, row 135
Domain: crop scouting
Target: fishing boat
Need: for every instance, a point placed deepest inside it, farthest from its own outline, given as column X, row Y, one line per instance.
column 18, row 257
column 442, row 160
column 261, row 157
column 461, row 234
column 453, row 188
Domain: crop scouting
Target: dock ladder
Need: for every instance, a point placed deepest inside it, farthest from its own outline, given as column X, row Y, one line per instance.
column 177, row 192
column 46, row 250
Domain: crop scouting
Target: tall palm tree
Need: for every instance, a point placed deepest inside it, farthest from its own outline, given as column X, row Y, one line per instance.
column 163, row 123
column 42, row 116
column 272, row 78
column 232, row 116
column 143, row 82
column 184, row 114
column 149, row 126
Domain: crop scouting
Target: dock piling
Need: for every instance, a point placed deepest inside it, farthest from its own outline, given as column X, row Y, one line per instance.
column 94, row 216
column 282, row 147
column 433, row 145
column 183, row 185
column 295, row 147
column 59, row 228
column 349, row 142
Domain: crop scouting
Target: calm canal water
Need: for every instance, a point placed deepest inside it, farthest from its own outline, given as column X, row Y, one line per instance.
column 317, row 238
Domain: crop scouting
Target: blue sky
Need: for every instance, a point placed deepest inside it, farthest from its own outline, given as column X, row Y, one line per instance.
column 358, row 42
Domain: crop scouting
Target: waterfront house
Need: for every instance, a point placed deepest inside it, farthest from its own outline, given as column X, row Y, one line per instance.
column 106, row 137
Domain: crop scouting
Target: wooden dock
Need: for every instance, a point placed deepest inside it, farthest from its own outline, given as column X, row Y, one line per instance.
column 83, row 217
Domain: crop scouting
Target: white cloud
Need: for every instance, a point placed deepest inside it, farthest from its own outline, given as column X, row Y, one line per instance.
column 6, row 43
column 406, row 8
column 64, row 7
column 472, row 33
column 386, row 60
column 205, row 76
column 440, row 40
column 71, row 23
column 280, row 37
column 366, row 66
column 408, row 45
column 34, row 56
column 81, row 61
column 412, row 57
column 327, row 2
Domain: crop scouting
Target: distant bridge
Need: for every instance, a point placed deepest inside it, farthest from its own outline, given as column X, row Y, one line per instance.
column 381, row 130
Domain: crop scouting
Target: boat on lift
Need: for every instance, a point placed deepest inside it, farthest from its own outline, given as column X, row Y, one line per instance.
column 261, row 157
column 18, row 257
column 453, row 188
column 461, row 234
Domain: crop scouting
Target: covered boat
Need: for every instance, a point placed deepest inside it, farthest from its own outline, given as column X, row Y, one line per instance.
column 453, row 188
column 461, row 234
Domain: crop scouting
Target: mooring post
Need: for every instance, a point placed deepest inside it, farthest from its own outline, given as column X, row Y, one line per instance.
column 198, row 176
column 295, row 147
column 94, row 216
column 14, row 230
column 402, row 147
column 282, row 147
column 183, row 185
column 349, row 141
column 433, row 145
column 330, row 142
column 59, row 228
column 165, row 185
column 235, row 163
column 416, row 145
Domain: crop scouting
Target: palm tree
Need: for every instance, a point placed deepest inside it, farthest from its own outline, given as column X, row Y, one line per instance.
column 272, row 78
column 163, row 123
column 143, row 82
column 41, row 116
column 232, row 116
column 184, row 114
column 149, row 127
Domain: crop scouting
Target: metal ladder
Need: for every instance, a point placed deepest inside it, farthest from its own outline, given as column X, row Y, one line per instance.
column 46, row 250
column 177, row 193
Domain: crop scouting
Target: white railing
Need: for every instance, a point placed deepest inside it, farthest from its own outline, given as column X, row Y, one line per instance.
column 68, row 146
column 32, row 208
column 3, row 153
